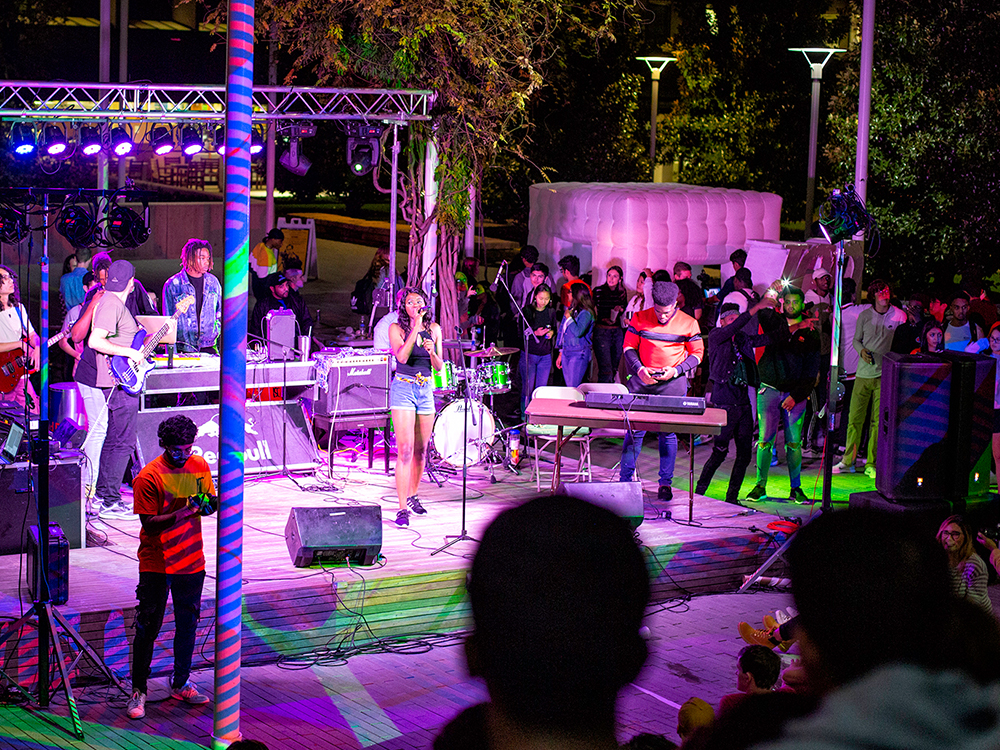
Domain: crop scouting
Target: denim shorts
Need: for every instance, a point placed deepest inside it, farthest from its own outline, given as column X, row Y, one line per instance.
column 409, row 395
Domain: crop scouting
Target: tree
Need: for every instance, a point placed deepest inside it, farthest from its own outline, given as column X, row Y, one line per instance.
column 933, row 170
column 741, row 119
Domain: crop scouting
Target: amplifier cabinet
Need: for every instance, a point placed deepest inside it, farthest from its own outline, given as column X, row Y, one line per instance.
column 353, row 385
column 66, row 506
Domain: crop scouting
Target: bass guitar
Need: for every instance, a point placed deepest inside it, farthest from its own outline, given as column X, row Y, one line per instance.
column 131, row 376
column 15, row 364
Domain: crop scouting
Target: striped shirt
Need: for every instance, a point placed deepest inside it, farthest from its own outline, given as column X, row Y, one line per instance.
column 678, row 343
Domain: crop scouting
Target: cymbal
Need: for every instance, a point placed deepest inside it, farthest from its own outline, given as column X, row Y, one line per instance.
column 493, row 351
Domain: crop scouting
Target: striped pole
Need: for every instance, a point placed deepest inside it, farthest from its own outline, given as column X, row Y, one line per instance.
column 229, row 592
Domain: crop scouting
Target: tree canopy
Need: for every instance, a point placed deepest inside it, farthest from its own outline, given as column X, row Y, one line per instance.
column 933, row 167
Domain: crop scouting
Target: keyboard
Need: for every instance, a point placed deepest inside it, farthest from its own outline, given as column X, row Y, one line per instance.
column 646, row 402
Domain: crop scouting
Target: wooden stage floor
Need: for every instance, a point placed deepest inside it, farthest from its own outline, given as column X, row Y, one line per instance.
column 289, row 612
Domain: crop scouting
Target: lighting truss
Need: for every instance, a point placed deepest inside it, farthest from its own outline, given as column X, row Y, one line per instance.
column 45, row 100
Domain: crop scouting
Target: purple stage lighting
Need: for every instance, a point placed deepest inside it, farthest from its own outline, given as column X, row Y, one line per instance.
column 55, row 140
column 161, row 140
column 90, row 141
column 22, row 139
column 121, row 142
column 191, row 141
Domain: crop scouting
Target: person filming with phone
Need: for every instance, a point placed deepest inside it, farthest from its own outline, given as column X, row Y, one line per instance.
column 662, row 345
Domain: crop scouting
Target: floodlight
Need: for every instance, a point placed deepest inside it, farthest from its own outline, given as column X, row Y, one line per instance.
column 126, row 229
column 294, row 160
column 78, row 226
column 54, row 140
column 121, row 142
column 191, row 141
column 256, row 143
column 22, row 139
column 162, row 140
column 90, row 141
column 362, row 155
column 220, row 141
column 13, row 225
column 844, row 216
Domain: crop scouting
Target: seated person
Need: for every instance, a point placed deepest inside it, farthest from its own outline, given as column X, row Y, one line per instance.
column 758, row 669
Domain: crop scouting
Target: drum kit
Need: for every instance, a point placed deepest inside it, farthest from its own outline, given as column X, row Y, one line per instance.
column 464, row 400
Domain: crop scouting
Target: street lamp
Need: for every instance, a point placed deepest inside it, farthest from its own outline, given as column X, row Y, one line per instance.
column 656, row 66
column 817, row 57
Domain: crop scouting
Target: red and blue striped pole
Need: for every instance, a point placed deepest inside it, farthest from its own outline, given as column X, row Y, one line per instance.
column 229, row 591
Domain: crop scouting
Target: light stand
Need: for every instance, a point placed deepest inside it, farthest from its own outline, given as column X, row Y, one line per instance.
column 41, row 609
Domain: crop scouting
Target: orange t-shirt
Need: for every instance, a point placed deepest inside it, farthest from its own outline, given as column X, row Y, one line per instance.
column 161, row 488
column 659, row 346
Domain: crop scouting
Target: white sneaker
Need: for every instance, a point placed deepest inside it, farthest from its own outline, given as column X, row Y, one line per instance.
column 842, row 468
column 136, row 706
column 189, row 694
column 118, row 511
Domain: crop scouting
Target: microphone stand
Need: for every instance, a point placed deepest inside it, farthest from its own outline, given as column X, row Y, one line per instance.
column 526, row 331
column 463, row 535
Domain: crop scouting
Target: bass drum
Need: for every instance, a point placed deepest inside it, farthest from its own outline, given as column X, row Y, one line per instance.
column 449, row 432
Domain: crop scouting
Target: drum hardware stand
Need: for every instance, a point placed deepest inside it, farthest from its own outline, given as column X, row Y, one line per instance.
column 463, row 536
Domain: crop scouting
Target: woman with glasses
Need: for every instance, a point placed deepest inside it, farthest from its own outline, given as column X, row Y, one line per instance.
column 19, row 343
column 968, row 571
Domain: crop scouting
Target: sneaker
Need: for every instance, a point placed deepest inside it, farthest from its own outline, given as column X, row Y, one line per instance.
column 756, row 637
column 870, row 471
column 759, row 492
column 841, row 468
column 807, row 452
column 798, row 496
column 189, row 694
column 415, row 505
column 116, row 511
column 665, row 493
column 403, row 517
column 136, row 706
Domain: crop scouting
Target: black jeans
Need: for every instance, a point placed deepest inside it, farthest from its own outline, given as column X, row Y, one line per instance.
column 185, row 590
column 608, row 349
column 123, row 421
column 739, row 426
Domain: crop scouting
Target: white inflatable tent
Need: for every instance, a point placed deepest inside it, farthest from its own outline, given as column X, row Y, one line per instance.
column 640, row 225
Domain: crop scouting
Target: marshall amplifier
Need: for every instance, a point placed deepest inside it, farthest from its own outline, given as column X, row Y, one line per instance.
column 351, row 384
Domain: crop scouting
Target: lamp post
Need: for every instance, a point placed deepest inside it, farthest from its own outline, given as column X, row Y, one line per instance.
column 817, row 57
column 656, row 66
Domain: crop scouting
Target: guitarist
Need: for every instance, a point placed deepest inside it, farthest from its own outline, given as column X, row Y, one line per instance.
column 112, row 413
column 662, row 345
column 17, row 335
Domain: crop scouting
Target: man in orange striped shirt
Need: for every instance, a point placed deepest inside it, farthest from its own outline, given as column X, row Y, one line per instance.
column 662, row 345
column 171, row 494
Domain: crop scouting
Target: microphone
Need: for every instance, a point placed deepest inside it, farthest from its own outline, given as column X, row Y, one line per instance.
column 493, row 286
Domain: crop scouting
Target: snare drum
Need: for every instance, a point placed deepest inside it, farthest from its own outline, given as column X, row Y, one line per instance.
column 444, row 379
column 493, row 377
column 449, row 432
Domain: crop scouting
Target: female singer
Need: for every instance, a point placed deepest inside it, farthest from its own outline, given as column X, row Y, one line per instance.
column 416, row 345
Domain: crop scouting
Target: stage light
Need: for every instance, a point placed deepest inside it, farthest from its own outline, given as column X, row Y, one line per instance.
column 844, row 216
column 54, row 140
column 121, row 142
column 90, row 141
column 256, row 143
column 78, row 226
column 362, row 155
column 220, row 141
column 162, row 140
column 293, row 159
column 13, row 225
column 126, row 229
column 22, row 139
column 191, row 141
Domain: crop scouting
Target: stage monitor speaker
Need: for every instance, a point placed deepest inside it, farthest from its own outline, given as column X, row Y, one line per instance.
column 624, row 499
column 354, row 385
column 981, row 512
column 58, row 564
column 913, row 427
column 332, row 534
column 18, row 509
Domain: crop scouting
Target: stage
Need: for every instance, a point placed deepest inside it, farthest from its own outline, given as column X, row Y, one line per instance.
column 289, row 610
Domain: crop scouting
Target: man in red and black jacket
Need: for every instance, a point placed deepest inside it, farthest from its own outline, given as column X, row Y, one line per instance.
column 662, row 345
